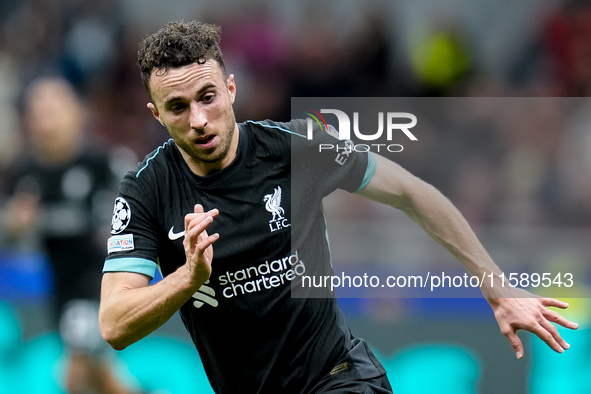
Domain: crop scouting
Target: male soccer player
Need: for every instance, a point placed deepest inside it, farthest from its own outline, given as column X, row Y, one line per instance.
column 216, row 181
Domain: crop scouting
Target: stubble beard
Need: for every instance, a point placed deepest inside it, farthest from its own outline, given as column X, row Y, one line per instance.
column 226, row 138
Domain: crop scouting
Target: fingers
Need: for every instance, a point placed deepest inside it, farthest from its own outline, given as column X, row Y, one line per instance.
column 196, row 236
column 198, row 213
column 516, row 343
column 206, row 242
column 195, row 229
column 533, row 315
column 196, row 223
column 554, row 302
column 549, row 334
column 558, row 319
column 546, row 331
column 198, row 243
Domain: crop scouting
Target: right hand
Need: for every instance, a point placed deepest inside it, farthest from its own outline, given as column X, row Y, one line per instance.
column 197, row 243
column 527, row 311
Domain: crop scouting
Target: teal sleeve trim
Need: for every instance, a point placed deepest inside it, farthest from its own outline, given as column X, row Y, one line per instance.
column 276, row 127
column 131, row 264
column 152, row 157
column 369, row 171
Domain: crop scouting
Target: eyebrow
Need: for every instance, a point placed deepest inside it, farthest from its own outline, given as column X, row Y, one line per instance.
column 203, row 89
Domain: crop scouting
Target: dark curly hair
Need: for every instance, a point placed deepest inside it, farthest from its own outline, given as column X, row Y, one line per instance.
column 178, row 44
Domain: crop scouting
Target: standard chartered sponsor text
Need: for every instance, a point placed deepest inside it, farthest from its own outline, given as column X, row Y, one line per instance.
column 264, row 276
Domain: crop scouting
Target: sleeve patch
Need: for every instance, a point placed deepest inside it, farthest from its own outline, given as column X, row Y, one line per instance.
column 121, row 216
column 118, row 243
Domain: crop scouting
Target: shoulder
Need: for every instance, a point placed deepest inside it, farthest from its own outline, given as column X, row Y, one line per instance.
column 273, row 137
column 155, row 166
column 273, row 129
column 156, row 162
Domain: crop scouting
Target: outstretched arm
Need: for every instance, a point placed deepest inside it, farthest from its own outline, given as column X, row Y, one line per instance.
column 514, row 309
column 130, row 309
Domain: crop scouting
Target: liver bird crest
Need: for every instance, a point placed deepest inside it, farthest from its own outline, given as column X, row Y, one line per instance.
column 273, row 204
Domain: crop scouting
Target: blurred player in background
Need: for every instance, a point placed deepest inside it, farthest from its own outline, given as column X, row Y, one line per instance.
column 213, row 209
column 58, row 189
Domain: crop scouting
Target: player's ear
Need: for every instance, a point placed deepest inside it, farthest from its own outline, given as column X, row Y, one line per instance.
column 155, row 113
column 231, row 87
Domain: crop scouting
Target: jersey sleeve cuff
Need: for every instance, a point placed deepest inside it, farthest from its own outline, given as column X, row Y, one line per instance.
column 369, row 171
column 131, row 264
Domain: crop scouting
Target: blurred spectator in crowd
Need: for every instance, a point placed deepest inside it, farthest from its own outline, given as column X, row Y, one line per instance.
column 566, row 39
column 59, row 189
column 442, row 60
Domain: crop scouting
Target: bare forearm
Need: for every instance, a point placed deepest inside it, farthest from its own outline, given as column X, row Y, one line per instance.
column 514, row 308
column 128, row 314
column 446, row 225
column 432, row 211
column 130, row 309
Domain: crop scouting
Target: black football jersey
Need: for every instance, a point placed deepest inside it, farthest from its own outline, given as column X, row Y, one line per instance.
column 257, row 329
column 72, row 200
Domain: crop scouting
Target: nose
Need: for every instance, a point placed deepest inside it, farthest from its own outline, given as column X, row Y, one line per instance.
column 197, row 120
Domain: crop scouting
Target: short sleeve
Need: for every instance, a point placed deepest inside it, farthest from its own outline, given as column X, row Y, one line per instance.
column 331, row 163
column 133, row 244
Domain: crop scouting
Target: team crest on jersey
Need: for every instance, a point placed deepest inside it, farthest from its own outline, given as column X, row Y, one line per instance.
column 273, row 206
column 121, row 216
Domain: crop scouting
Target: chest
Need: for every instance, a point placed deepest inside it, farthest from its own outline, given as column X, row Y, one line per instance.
column 254, row 221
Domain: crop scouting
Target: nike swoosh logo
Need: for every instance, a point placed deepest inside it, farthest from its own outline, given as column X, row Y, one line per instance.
column 172, row 235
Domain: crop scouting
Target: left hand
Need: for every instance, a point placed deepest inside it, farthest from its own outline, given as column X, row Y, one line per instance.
column 530, row 312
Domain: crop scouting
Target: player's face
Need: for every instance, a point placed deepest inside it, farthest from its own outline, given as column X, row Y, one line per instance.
column 194, row 102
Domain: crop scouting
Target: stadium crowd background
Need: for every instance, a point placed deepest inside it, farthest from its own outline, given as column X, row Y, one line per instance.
column 531, row 177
